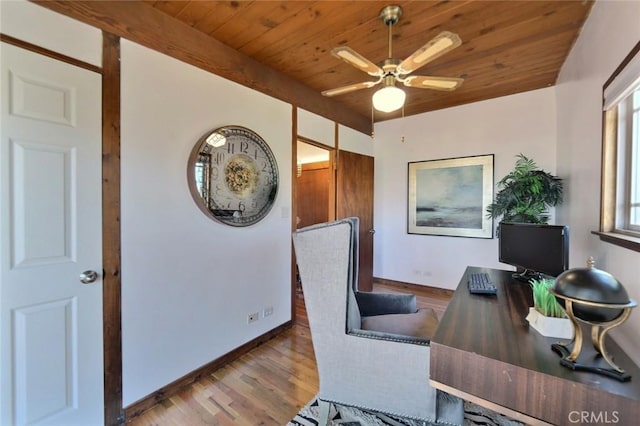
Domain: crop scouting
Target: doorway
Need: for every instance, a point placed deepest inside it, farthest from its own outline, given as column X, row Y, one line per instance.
column 326, row 192
column 315, row 201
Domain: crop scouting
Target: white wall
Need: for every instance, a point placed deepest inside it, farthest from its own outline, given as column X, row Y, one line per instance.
column 523, row 123
column 316, row 128
column 188, row 283
column 354, row 141
column 609, row 34
column 32, row 23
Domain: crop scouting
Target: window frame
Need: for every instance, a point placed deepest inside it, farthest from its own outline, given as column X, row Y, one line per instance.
column 632, row 193
column 612, row 212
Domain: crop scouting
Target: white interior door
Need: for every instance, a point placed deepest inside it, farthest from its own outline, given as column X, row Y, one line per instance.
column 51, row 363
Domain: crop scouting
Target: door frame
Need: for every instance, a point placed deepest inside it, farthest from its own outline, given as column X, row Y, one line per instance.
column 111, row 238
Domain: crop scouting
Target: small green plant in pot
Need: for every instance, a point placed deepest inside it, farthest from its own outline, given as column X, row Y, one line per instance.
column 544, row 301
column 547, row 316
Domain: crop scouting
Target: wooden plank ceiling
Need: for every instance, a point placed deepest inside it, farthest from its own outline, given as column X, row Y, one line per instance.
column 508, row 46
column 282, row 48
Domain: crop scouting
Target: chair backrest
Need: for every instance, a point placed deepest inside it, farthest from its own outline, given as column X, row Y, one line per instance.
column 327, row 263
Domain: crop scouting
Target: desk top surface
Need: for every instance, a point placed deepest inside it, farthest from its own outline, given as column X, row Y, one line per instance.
column 495, row 327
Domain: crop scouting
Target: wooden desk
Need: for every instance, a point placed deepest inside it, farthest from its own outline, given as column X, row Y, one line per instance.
column 485, row 352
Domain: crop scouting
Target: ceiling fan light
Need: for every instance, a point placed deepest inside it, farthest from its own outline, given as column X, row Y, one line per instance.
column 388, row 99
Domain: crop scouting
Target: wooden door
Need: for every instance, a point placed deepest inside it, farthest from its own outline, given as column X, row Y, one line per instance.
column 354, row 197
column 51, row 364
column 313, row 194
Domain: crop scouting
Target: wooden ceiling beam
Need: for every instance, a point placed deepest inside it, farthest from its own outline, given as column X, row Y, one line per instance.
column 145, row 25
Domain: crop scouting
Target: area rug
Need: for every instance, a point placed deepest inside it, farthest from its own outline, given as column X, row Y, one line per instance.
column 341, row 415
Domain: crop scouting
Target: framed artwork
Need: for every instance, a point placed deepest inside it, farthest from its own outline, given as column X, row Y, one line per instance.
column 450, row 197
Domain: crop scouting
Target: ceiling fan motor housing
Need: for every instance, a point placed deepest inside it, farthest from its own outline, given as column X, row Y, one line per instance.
column 389, row 65
column 389, row 80
column 391, row 14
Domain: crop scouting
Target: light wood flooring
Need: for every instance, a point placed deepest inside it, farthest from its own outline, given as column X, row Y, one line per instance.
column 268, row 385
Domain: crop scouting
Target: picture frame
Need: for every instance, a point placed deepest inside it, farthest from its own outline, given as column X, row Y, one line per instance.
column 449, row 197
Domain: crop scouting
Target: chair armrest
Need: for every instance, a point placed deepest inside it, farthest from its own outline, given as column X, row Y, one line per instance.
column 417, row 327
column 391, row 337
column 371, row 304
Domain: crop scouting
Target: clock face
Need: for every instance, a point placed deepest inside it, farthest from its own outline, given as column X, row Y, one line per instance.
column 233, row 176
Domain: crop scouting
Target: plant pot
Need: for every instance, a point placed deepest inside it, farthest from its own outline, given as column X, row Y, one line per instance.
column 560, row 328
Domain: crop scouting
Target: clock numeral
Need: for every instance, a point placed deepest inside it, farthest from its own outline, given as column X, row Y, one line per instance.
column 231, row 148
column 218, row 158
column 264, row 167
column 244, row 147
column 215, row 173
column 241, row 206
column 218, row 189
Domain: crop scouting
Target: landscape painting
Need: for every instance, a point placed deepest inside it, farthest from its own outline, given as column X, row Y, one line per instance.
column 450, row 197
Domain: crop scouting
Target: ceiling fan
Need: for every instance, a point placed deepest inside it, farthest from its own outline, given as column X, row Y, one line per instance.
column 389, row 97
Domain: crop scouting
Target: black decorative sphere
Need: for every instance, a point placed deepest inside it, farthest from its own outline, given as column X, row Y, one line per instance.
column 591, row 285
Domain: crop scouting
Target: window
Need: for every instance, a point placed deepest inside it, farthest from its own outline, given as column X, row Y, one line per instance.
column 620, row 218
column 630, row 119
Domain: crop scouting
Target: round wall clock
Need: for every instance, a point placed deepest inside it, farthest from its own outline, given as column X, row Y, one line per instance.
column 233, row 176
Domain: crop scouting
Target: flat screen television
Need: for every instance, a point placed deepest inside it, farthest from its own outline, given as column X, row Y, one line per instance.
column 541, row 250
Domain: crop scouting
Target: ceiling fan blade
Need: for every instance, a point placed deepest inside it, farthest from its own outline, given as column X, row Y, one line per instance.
column 352, row 57
column 435, row 83
column 438, row 46
column 349, row 88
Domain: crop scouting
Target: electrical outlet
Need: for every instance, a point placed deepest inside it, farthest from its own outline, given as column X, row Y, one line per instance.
column 253, row 317
column 267, row 311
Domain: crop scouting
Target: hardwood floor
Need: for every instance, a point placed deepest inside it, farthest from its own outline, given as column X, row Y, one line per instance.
column 268, row 385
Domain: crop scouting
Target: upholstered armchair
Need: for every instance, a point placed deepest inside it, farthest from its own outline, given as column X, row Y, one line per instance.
column 372, row 349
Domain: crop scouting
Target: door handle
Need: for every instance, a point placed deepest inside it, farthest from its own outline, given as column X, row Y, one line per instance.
column 88, row 277
column 372, row 231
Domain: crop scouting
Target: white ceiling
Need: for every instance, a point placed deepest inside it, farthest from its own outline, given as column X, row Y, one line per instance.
column 308, row 153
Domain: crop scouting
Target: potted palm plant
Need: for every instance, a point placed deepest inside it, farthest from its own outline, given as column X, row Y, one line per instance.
column 526, row 193
column 547, row 316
